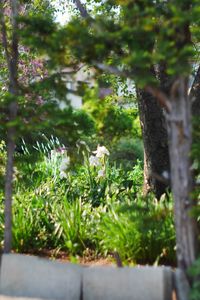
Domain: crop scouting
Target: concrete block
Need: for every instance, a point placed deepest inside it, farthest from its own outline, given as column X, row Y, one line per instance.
column 2, row 297
column 139, row 283
column 33, row 277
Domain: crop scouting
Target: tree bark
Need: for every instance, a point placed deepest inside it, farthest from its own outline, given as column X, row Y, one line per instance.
column 180, row 142
column 11, row 55
column 81, row 9
column 9, row 190
column 156, row 154
column 180, row 139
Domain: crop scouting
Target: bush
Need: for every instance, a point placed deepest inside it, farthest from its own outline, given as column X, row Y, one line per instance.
column 126, row 152
column 76, row 224
column 117, row 233
column 195, row 273
column 141, row 231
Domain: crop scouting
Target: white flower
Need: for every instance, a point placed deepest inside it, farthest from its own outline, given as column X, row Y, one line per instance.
column 94, row 161
column 101, row 151
column 53, row 153
column 64, row 163
column 63, row 175
column 101, row 173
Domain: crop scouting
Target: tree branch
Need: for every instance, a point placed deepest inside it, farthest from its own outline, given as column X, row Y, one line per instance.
column 160, row 96
column 82, row 9
column 111, row 69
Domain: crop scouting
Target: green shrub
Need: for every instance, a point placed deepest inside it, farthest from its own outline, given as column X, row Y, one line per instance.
column 95, row 206
column 195, row 273
column 34, row 219
column 28, row 232
column 117, row 233
column 76, row 225
column 141, row 231
column 126, row 152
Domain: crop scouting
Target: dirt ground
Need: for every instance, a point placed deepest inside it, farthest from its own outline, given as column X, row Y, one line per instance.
column 87, row 260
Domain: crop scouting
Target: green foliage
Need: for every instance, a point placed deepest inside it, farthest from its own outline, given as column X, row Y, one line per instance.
column 140, row 35
column 87, row 210
column 135, row 226
column 75, row 226
column 2, row 162
column 68, row 125
column 1, row 219
column 127, row 151
column 196, row 165
column 113, row 121
column 28, row 232
column 194, row 272
column 117, row 233
column 117, row 126
column 117, row 122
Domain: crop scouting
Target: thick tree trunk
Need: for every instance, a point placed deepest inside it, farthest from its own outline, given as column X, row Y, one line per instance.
column 156, row 155
column 180, row 139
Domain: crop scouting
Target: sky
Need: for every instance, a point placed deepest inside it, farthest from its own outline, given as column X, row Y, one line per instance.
column 64, row 11
column 62, row 15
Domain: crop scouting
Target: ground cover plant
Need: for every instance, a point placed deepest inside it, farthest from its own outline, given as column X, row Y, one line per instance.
column 93, row 208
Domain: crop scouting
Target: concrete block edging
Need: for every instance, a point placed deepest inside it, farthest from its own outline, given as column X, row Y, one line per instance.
column 31, row 277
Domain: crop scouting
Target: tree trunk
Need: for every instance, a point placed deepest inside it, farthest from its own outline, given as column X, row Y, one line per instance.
column 8, row 190
column 156, row 155
column 11, row 55
column 180, row 139
column 11, row 136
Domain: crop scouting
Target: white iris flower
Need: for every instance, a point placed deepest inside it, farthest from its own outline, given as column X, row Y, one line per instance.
column 101, row 173
column 64, row 163
column 101, row 151
column 94, row 161
column 63, row 174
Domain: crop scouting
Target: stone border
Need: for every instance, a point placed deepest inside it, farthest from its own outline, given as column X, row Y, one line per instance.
column 37, row 278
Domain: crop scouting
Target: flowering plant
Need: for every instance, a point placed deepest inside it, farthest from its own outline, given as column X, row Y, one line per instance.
column 101, row 151
column 94, row 161
column 64, row 166
column 98, row 160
